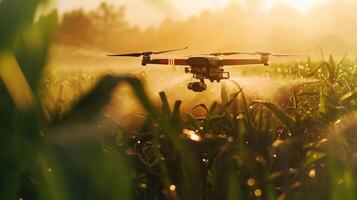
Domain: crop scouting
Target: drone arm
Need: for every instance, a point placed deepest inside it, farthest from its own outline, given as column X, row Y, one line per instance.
column 225, row 62
column 167, row 62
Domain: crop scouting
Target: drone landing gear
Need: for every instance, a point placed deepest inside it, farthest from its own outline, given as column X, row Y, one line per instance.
column 197, row 86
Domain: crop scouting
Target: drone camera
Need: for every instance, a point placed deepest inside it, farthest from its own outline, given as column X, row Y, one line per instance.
column 197, row 86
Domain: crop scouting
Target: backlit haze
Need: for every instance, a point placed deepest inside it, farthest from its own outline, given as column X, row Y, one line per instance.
column 89, row 30
column 300, row 26
column 145, row 13
column 287, row 26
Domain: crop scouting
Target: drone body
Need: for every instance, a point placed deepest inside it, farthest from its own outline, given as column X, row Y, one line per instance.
column 206, row 66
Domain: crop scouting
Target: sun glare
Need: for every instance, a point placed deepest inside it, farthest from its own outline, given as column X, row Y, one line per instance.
column 302, row 6
column 153, row 12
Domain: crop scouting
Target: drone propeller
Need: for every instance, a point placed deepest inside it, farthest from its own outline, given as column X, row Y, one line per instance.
column 253, row 53
column 230, row 53
column 148, row 53
column 274, row 54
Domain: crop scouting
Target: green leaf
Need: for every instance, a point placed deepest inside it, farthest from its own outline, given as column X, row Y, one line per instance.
column 94, row 101
column 332, row 68
column 14, row 15
column 165, row 105
column 248, row 116
column 233, row 192
column 282, row 116
column 201, row 106
column 212, row 109
column 322, row 65
column 192, row 122
column 296, row 111
column 322, row 101
column 341, row 178
column 313, row 156
column 322, row 55
column 224, row 93
column 228, row 103
column 350, row 96
column 343, row 59
column 176, row 112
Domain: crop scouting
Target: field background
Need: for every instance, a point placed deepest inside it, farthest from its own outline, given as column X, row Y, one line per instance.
column 75, row 124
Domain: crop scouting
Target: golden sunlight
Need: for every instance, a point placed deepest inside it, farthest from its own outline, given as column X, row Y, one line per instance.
column 301, row 5
column 153, row 12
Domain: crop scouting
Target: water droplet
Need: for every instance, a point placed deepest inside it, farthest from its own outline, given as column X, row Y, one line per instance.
column 192, row 135
column 195, row 137
column 230, row 139
column 172, row 187
column 240, row 116
column 250, row 182
column 143, row 185
column 276, row 143
column 312, row 173
column 338, row 121
column 258, row 192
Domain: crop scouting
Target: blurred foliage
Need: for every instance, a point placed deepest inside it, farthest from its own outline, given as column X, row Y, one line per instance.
column 107, row 28
column 39, row 159
column 54, row 148
column 241, row 148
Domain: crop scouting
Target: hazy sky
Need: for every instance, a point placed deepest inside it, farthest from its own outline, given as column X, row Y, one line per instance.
column 146, row 13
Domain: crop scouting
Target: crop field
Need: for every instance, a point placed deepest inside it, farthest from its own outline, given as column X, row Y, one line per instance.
column 283, row 132
column 286, row 133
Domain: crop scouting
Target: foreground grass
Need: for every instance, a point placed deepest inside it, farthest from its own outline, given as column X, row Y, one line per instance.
column 302, row 147
column 241, row 148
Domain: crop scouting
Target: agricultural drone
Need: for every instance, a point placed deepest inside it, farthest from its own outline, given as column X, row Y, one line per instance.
column 204, row 66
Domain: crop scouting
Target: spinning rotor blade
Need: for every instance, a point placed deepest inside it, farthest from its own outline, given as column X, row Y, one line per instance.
column 230, row 53
column 254, row 53
column 128, row 55
column 275, row 54
column 285, row 55
column 148, row 53
column 160, row 52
